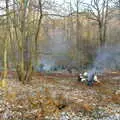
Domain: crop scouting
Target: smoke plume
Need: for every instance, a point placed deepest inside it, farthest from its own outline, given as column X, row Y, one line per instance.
column 57, row 47
column 107, row 58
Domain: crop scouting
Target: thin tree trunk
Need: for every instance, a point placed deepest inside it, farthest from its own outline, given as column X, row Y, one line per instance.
column 78, row 36
column 5, row 46
column 77, row 28
column 105, row 23
column 100, row 33
column 5, row 60
column 38, row 30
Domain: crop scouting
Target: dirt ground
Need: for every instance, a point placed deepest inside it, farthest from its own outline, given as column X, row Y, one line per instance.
column 52, row 96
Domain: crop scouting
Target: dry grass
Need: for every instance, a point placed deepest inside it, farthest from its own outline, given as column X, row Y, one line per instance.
column 87, row 107
column 116, row 99
column 105, row 91
column 70, row 95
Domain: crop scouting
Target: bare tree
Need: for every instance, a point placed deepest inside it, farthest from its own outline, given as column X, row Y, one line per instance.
column 117, row 6
column 38, row 26
column 6, row 43
column 99, row 11
column 24, row 37
column 116, row 3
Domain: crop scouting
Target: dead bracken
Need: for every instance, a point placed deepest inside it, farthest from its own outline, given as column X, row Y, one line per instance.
column 50, row 99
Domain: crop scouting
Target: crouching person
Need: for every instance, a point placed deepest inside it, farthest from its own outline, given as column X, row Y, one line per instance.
column 96, row 79
column 81, row 78
column 92, row 79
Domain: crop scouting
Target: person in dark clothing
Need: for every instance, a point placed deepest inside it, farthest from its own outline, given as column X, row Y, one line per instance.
column 90, row 79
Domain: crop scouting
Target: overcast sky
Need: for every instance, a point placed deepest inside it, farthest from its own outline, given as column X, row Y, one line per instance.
column 2, row 4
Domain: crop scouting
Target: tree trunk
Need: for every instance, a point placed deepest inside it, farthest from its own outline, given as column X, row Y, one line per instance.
column 24, row 66
column 77, row 28
column 37, row 32
column 5, row 60
column 101, row 34
column 5, row 46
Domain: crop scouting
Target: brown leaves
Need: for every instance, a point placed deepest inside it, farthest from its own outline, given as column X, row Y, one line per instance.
column 116, row 99
column 87, row 108
column 61, row 102
column 11, row 96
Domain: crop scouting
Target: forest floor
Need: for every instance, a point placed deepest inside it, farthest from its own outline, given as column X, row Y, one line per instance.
column 61, row 97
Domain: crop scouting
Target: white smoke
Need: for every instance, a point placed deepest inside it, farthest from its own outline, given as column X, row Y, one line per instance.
column 57, row 47
column 107, row 58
